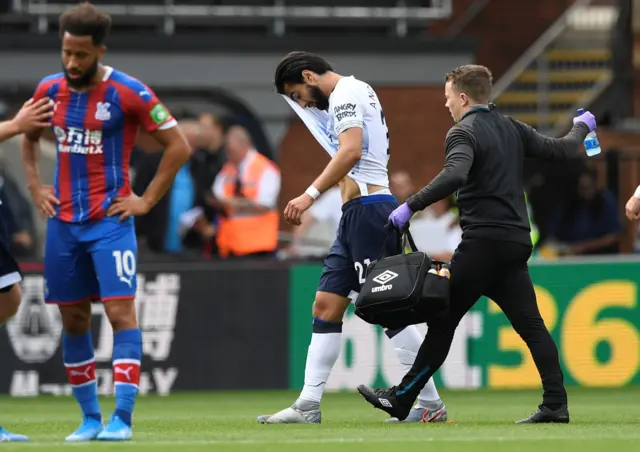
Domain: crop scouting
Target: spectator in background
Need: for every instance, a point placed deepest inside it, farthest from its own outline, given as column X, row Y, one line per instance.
column 161, row 225
column 588, row 221
column 436, row 231
column 248, row 187
column 182, row 193
column 207, row 161
column 401, row 185
column 318, row 227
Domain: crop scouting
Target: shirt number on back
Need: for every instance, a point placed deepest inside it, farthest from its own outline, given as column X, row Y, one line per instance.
column 125, row 266
column 384, row 123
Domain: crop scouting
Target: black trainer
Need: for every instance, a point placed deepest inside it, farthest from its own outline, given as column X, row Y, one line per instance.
column 546, row 415
column 385, row 400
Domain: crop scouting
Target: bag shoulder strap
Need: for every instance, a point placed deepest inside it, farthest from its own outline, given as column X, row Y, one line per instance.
column 409, row 237
column 400, row 235
column 391, row 232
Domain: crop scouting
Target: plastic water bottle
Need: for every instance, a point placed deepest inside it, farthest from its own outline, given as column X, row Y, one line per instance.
column 591, row 143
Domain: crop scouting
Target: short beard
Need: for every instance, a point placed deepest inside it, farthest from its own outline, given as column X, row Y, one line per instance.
column 320, row 100
column 85, row 80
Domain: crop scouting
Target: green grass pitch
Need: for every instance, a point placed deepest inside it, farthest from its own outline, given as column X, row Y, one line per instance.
column 603, row 420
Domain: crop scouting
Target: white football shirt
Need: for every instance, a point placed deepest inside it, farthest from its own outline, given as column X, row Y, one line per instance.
column 353, row 103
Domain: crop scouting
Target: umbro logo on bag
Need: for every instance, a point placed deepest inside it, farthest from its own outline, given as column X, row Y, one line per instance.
column 385, row 277
column 382, row 279
column 385, row 402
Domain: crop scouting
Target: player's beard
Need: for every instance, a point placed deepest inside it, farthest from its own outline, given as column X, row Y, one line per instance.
column 85, row 80
column 320, row 100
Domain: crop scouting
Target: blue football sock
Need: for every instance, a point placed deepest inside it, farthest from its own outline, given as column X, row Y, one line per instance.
column 127, row 353
column 77, row 354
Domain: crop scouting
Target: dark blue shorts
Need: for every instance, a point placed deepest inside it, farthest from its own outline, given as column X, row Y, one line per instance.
column 361, row 236
column 95, row 260
column 9, row 270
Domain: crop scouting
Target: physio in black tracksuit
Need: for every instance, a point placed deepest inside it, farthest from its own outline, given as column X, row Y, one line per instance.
column 485, row 153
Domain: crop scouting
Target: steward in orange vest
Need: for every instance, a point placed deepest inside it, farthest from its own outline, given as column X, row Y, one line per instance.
column 249, row 227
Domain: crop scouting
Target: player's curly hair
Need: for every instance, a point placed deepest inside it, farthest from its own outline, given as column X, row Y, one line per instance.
column 85, row 20
column 473, row 80
column 289, row 70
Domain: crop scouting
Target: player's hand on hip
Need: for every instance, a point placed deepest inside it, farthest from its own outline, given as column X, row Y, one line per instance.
column 632, row 209
column 296, row 207
column 35, row 115
column 129, row 206
column 401, row 216
column 45, row 199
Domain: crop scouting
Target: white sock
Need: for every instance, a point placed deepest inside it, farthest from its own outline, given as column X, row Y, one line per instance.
column 321, row 357
column 407, row 343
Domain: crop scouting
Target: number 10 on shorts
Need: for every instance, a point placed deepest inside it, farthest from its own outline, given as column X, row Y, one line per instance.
column 125, row 266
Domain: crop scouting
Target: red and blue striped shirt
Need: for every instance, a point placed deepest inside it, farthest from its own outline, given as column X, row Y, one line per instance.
column 95, row 134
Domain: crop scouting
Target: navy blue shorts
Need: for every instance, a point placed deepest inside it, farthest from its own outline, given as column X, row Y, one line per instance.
column 9, row 270
column 361, row 236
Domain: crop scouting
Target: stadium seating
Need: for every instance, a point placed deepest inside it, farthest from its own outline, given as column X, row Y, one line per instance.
column 570, row 74
column 564, row 73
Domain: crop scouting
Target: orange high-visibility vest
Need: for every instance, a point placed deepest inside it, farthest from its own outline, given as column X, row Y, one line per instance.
column 246, row 233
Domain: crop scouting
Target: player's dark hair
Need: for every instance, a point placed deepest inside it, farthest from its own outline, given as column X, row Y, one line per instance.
column 85, row 20
column 473, row 80
column 289, row 71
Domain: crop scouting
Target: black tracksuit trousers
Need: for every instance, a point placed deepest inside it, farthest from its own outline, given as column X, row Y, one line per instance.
column 498, row 270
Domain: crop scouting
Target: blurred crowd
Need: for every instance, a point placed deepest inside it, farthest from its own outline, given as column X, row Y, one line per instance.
column 583, row 219
column 223, row 202
column 224, row 205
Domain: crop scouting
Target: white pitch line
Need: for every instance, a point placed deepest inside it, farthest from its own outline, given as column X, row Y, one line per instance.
column 230, row 442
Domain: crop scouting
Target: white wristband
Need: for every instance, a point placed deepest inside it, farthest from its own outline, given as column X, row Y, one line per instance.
column 637, row 193
column 313, row 192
